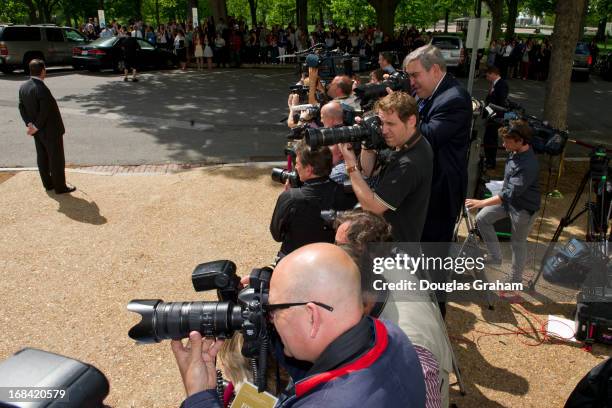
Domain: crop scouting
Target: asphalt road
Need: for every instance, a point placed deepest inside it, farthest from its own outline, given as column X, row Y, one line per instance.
column 222, row 115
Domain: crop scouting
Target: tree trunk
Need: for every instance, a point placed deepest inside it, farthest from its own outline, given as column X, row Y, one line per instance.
column 512, row 14
column 157, row 12
column 321, row 15
column 45, row 11
column 497, row 12
column 191, row 4
column 563, row 42
column 253, row 9
column 32, row 9
column 100, row 4
column 601, row 28
column 138, row 9
column 446, row 15
column 583, row 21
column 385, row 14
column 301, row 11
column 219, row 10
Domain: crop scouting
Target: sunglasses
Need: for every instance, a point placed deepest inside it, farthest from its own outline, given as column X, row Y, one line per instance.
column 272, row 308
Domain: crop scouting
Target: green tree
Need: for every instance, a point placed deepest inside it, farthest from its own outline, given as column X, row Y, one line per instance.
column 13, row 11
column 538, row 7
column 600, row 12
column 417, row 13
column 352, row 13
column 385, row 14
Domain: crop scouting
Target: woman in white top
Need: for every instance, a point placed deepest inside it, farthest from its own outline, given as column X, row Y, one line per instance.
column 199, row 50
column 180, row 49
column 208, row 53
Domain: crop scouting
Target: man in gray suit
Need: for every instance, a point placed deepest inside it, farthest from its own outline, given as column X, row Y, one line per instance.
column 42, row 117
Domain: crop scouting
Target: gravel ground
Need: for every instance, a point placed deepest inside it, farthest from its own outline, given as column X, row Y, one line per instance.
column 72, row 263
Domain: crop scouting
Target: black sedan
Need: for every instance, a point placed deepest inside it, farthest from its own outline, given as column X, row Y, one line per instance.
column 107, row 53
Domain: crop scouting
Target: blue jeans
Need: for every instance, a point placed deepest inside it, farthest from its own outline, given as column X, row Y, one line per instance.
column 521, row 222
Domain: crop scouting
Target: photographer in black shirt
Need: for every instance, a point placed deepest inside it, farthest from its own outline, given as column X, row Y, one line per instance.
column 401, row 195
column 296, row 220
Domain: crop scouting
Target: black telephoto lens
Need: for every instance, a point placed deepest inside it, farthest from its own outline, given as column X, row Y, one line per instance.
column 331, row 136
column 175, row 320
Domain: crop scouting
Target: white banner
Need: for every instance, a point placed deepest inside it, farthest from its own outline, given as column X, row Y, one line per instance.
column 194, row 10
column 101, row 19
column 481, row 38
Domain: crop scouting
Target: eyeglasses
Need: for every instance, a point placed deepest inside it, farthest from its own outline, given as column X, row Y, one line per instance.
column 272, row 308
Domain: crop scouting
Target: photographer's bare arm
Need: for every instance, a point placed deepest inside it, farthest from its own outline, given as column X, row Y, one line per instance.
column 364, row 194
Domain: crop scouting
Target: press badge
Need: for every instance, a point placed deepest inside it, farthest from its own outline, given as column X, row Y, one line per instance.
column 248, row 397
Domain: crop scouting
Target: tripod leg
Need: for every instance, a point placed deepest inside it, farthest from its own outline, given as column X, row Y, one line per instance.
column 565, row 221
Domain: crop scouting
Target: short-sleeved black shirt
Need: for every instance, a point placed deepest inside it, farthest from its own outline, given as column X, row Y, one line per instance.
column 404, row 187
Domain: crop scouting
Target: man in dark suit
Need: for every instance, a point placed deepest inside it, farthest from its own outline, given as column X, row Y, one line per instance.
column 445, row 110
column 498, row 95
column 42, row 117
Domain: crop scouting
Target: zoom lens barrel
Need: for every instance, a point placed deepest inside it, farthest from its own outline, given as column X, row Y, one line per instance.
column 332, row 136
column 175, row 320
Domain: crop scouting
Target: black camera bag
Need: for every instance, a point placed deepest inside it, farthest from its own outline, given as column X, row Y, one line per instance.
column 85, row 385
column 594, row 322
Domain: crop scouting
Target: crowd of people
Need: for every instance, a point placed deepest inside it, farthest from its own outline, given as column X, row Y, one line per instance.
column 233, row 42
column 521, row 58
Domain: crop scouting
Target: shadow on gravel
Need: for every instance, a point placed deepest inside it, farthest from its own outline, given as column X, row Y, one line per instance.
column 78, row 209
column 224, row 115
column 243, row 173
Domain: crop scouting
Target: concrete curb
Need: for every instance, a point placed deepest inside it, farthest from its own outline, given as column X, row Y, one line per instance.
column 161, row 169
column 148, row 169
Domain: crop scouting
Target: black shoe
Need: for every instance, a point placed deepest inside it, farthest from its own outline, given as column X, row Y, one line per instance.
column 135, row 80
column 125, row 79
column 68, row 190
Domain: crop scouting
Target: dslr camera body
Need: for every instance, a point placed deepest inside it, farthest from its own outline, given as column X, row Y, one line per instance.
column 237, row 310
column 368, row 94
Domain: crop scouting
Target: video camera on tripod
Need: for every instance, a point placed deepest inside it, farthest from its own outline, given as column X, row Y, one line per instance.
column 237, row 310
column 545, row 139
column 598, row 210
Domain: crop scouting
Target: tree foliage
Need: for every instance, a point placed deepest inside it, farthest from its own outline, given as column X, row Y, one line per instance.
column 352, row 13
column 13, row 11
column 538, row 7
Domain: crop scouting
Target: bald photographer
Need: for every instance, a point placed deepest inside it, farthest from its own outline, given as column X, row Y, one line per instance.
column 316, row 308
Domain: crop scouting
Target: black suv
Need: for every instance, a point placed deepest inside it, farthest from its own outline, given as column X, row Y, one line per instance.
column 19, row 44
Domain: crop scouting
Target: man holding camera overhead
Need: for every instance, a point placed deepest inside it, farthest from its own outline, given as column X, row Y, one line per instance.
column 296, row 220
column 402, row 193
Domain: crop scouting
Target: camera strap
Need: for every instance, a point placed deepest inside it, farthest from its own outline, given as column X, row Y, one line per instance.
column 412, row 141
